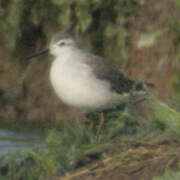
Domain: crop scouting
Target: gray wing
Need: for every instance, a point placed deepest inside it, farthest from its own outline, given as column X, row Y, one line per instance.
column 105, row 71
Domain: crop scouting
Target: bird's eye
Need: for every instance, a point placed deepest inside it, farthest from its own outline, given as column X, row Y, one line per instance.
column 61, row 44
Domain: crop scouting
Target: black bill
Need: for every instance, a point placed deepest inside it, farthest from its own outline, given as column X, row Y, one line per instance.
column 38, row 54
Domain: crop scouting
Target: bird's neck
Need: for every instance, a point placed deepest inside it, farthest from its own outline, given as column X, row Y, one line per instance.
column 68, row 54
column 65, row 52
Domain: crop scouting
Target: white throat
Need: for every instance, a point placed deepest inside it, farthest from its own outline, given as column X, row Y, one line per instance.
column 75, row 83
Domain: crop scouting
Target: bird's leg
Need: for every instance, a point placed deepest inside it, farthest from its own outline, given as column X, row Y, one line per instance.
column 100, row 126
column 92, row 124
column 92, row 118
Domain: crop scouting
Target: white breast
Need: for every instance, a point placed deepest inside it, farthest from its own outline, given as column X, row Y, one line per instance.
column 75, row 84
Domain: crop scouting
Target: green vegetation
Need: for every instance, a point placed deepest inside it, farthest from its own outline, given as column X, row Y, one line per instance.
column 168, row 175
column 75, row 145
column 141, row 36
column 165, row 116
column 26, row 19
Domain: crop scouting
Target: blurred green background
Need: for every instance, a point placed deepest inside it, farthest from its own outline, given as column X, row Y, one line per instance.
column 141, row 37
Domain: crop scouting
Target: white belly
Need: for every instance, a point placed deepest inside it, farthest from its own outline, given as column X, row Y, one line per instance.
column 76, row 86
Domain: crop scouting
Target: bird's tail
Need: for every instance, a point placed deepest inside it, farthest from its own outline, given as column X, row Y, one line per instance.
column 143, row 86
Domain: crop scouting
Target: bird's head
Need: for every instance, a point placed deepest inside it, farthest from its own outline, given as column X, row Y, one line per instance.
column 60, row 43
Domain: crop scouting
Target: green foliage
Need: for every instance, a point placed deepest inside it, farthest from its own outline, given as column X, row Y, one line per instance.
column 62, row 152
column 69, row 147
column 164, row 116
column 173, row 26
column 120, row 124
column 168, row 175
column 177, row 3
column 176, row 83
column 75, row 145
column 105, row 24
column 176, row 86
column 101, row 22
column 119, row 36
column 14, row 167
column 11, row 24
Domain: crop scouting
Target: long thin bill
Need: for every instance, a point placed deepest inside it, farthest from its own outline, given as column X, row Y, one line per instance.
column 37, row 54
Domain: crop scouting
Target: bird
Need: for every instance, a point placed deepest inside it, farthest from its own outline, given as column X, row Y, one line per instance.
column 86, row 81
